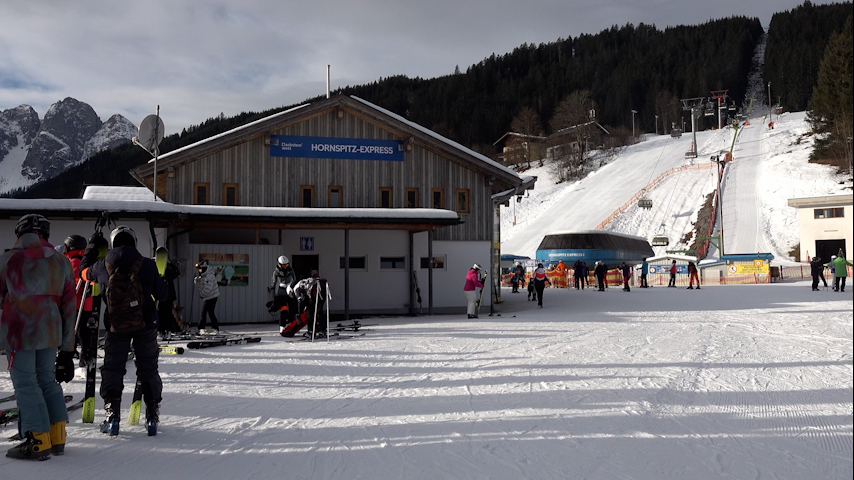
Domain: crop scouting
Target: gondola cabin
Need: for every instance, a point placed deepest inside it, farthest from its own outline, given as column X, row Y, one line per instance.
column 593, row 245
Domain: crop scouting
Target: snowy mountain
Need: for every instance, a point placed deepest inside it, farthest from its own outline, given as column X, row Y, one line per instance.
column 71, row 132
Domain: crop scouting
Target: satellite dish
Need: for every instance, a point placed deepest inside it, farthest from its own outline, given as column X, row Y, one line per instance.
column 150, row 133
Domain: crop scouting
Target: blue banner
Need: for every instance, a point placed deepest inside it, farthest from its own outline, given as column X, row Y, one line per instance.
column 341, row 148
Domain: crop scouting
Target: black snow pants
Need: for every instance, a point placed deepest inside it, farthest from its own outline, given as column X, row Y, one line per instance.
column 146, row 353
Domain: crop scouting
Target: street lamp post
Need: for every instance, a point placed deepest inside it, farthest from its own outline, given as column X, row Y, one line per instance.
column 770, row 120
column 656, row 124
column 634, row 138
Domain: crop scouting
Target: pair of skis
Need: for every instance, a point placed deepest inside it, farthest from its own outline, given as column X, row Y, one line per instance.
column 11, row 414
column 221, row 342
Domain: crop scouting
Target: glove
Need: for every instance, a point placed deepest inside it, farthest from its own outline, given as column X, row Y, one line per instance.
column 65, row 366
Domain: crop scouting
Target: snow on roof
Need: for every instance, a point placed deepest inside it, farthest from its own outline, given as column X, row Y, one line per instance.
column 121, row 205
column 101, row 192
column 673, row 256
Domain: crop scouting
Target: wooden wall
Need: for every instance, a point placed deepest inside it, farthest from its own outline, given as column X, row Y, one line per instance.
column 275, row 181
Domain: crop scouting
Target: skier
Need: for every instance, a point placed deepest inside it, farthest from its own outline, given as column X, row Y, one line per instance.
column 539, row 279
column 578, row 274
column 585, row 274
column 311, row 294
column 167, row 319
column 73, row 248
column 817, row 272
column 692, row 272
column 518, row 278
column 600, row 271
column 840, row 272
column 672, row 282
column 134, row 285
column 644, row 273
column 209, row 294
column 37, row 294
column 281, row 285
column 532, row 292
column 473, row 281
column 626, row 271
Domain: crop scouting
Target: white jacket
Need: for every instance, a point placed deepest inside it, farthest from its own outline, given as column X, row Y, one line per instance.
column 208, row 288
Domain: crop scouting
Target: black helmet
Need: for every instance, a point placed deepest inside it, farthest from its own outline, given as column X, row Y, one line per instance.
column 75, row 242
column 33, row 223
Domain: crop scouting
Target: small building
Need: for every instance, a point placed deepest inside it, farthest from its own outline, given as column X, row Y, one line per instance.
column 659, row 269
column 825, row 225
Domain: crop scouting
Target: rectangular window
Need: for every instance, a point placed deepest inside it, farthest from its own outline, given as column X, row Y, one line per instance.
column 335, row 198
column 438, row 263
column 411, row 198
column 200, row 193
column 829, row 213
column 229, row 194
column 385, row 197
column 306, row 196
column 438, row 198
column 356, row 263
column 392, row 263
column 463, row 200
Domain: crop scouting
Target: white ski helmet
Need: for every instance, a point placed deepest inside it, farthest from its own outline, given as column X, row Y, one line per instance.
column 476, row 266
column 125, row 235
column 283, row 260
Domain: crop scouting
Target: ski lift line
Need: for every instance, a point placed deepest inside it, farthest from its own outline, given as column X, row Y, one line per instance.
column 653, row 184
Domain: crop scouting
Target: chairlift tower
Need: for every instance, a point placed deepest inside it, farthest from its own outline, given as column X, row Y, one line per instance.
column 693, row 105
column 721, row 95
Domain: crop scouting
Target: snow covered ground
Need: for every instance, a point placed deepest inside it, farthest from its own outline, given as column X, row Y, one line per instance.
column 748, row 381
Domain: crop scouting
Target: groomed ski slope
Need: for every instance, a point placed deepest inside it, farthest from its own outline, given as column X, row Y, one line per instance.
column 750, row 381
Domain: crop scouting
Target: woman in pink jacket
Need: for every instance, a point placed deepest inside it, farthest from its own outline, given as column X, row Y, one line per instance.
column 473, row 281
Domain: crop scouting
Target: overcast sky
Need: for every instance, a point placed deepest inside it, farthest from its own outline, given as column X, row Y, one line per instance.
column 199, row 58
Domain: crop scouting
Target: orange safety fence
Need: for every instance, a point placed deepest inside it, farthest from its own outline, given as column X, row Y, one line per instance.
column 613, row 277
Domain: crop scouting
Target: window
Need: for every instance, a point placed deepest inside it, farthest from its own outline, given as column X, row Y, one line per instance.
column 306, row 196
column 438, row 198
column 392, row 263
column 335, row 198
column 463, row 200
column 385, row 197
column 829, row 212
column 200, row 193
column 229, row 194
column 411, row 198
column 356, row 263
column 438, row 263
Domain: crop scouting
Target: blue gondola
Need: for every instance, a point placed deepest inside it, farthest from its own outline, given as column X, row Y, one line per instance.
column 593, row 245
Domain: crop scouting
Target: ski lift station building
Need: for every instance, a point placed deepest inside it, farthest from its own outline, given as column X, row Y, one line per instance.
column 825, row 225
column 371, row 200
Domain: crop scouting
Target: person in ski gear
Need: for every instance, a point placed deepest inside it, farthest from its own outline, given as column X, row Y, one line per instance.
column 817, row 272
column 473, row 282
column 281, row 286
column 585, row 274
column 73, row 248
column 311, row 294
column 168, row 319
column 205, row 279
column 518, row 278
column 840, row 272
column 124, row 255
column 692, row 272
column 38, row 298
column 578, row 274
column 539, row 279
column 532, row 292
column 644, row 273
column 626, row 271
column 672, row 282
column 599, row 272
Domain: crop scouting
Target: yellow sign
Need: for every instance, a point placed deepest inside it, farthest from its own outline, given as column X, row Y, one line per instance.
column 759, row 266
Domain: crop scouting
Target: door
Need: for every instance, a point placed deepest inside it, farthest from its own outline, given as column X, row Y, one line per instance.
column 304, row 264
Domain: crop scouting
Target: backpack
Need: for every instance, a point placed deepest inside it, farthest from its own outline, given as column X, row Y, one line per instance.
column 124, row 298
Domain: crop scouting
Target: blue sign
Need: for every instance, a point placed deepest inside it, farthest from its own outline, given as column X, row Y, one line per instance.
column 340, row 148
column 306, row 244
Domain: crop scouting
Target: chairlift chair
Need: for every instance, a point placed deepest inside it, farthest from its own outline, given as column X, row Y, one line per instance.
column 644, row 201
column 660, row 240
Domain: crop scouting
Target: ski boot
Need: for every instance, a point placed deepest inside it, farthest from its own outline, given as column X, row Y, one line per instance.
column 152, row 418
column 112, row 408
column 36, row 446
column 57, row 438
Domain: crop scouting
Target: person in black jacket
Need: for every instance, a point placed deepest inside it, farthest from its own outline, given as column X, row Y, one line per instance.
column 124, row 255
column 600, row 271
column 817, row 272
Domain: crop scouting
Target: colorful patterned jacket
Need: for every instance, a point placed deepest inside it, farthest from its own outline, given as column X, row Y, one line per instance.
column 37, row 291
